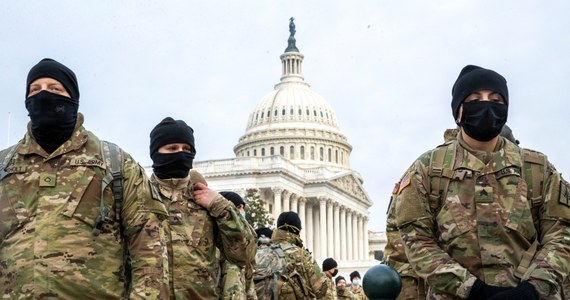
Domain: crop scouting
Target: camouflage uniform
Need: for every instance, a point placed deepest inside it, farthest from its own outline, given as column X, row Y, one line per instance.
column 311, row 278
column 195, row 233
column 358, row 292
column 48, row 207
column 394, row 252
column 331, row 290
column 484, row 223
column 237, row 283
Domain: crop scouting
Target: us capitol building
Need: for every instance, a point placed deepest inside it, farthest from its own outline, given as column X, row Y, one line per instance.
column 294, row 153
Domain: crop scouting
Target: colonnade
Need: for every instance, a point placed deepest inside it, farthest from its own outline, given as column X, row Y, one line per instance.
column 330, row 227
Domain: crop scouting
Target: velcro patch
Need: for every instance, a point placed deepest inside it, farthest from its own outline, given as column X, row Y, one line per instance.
column 406, row 180
column 16, row 169
column 87, row 162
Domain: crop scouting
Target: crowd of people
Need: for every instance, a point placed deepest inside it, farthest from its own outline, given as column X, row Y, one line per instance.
column 80, row 219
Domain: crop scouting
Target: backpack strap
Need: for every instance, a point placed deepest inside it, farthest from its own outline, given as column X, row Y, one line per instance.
column 113, row 158
column 5, row 157
column 440, row 172
column 535, row 173
column 276, row 248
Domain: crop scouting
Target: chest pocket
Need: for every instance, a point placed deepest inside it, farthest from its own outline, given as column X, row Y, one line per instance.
column 84, row 195
column 188, row 222
column 515, row 208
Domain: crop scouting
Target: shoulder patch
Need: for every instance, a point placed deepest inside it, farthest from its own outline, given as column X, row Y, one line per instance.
column 396, row 188
column 406, row 180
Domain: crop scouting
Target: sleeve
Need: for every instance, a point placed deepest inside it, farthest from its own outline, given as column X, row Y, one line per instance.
column 142, row 218
column 317, row 279
column 551, row 264
column 238, row 242
column 417, row 228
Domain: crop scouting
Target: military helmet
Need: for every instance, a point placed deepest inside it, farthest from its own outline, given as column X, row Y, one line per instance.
column 381, row 282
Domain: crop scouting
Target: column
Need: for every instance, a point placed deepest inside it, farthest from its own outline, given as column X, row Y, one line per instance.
column 303, row 218
column 354, row 236
column 349, row 237
column 366, row 240
column 317, row 232
column 343, row 235
column 309, row 227
column 330, row 233
column 286, row 197
column 276, row 202
column 336, row 242
column 360, row 239
column 294, row 203
column 323, row 226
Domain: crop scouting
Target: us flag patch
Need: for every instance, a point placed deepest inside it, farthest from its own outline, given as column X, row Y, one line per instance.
column 564, row 197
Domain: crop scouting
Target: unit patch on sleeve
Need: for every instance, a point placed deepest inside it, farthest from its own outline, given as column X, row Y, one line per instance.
column 564, row 197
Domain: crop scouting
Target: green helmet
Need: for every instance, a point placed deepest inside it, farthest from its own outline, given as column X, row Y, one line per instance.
column 381, row 282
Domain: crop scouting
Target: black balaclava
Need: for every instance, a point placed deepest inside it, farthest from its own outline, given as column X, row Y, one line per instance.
column 481, row 120
column 289, row 221
column 53, row 116
column 171, row 165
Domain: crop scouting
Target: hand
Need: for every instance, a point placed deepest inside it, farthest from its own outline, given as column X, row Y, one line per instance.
column 523, row 291
column 481, row 290
column 203, row 195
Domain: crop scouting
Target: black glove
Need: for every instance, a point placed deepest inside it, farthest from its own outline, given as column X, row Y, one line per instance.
column 523, row 291
column 481, row 290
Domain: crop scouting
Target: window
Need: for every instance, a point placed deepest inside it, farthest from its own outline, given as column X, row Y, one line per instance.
column 247, row 152
column 254, row 152
column 283, row 112
column 336, row 156
column 282, row 151
column 292, row 111
column 330, row 155
column 292, row 152
column 271, row 151
column 321, row 154
column 302, row 152
column 312, row 153
column 262, row 151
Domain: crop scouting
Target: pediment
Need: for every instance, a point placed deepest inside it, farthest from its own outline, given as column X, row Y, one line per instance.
column 350, row 185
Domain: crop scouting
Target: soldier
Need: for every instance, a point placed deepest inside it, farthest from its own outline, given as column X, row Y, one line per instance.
column 413, row 287
column 236, row 282
column 356, row 286
column 330, row 268
column 201, row 220
column 481, row 218
column 307, row 281
column 342, row 291
column 62, row 233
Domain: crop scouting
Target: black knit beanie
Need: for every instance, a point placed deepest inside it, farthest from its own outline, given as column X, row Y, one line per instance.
column 472, row 79
column 48, row 67
column 289, row 221
column 264, row 231
column 354, row 274
column 337, row 279
column 329, row 263
column 170, row 131
column 234, row 198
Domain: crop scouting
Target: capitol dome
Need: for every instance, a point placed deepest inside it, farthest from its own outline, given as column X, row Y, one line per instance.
column 294, row 121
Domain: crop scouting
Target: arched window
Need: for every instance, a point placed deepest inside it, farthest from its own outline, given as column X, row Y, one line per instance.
column 292, row 152
column 321, row 154
column 330, row 155
column 271, row 151
column 254, row 152
column 262, row 151
column 336, row 156
column 312, row 153
column 282, row 151
column 302, row 152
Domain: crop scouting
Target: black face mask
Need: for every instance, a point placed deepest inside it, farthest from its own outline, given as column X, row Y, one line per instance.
column 172, row 165
column 483, row 120
column 334, row 273
column 53, row 118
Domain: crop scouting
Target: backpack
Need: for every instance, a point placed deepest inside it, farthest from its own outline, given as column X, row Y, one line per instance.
column 273, row 272
column 534, row 170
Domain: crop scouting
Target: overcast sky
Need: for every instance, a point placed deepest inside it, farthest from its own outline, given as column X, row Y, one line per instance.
column 386, row 68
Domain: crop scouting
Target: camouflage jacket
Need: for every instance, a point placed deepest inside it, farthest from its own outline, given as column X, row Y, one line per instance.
column 484, row 224
column 358, row 292
column 300, row 262
column 195, row 234
column 331, row 290
column 237, row 283
column 48, row 207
